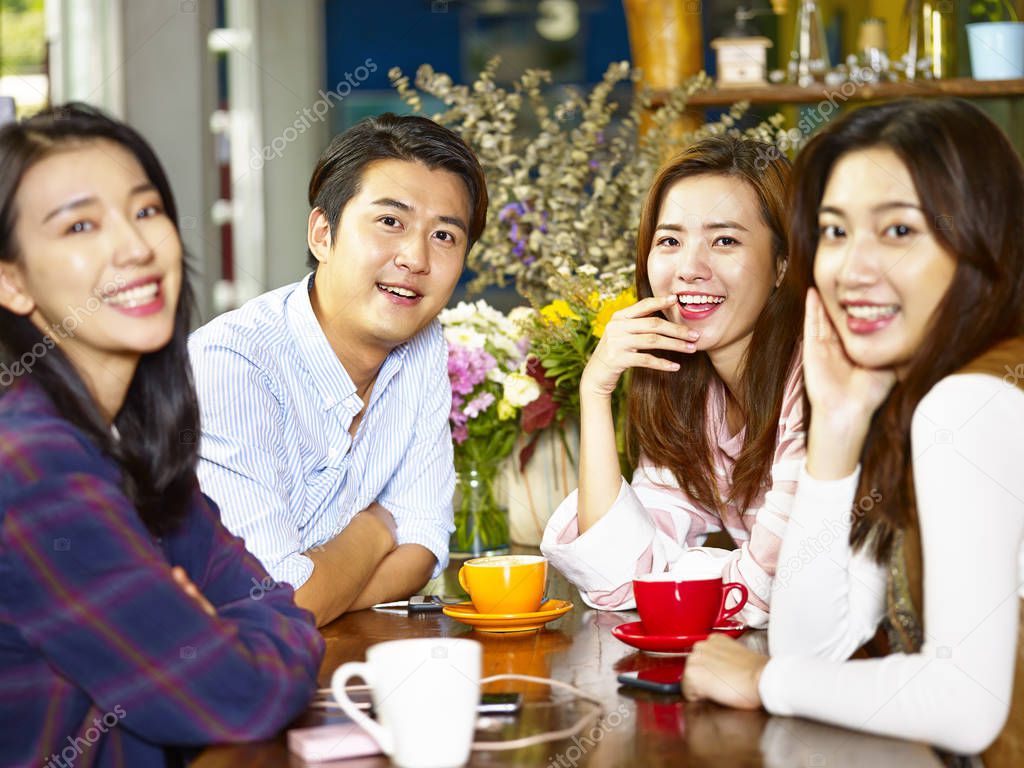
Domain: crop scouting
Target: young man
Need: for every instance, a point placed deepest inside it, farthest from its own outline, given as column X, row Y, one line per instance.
column 325, row 403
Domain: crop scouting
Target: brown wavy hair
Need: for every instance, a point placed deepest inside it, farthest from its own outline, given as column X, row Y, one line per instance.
column 668, row 409
column 970, row 181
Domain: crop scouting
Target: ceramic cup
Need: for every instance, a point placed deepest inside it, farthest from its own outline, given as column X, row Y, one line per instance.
column 425, row 692
column 505, row 584
column 673, row 604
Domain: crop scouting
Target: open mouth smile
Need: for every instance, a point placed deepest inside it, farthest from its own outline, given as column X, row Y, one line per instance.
column 864, row 317
column 137, row 299
column 402, row 295
column 697, row 306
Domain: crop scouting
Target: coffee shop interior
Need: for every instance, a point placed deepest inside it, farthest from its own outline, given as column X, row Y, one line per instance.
column 212, row 82
column 500, row 659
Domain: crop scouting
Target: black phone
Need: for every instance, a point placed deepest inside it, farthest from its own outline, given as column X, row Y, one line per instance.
column 490, row 703
column 499, row 703
column 659, row 680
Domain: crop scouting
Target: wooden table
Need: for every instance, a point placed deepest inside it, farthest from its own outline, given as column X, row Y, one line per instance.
column 638, row 728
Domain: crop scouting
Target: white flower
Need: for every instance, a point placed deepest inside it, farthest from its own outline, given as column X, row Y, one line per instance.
column 462, row 336
column 521, row 314
column 587, row 269
column 487, row 316
column 520, row 389
column 461, row 313
column 506, row 346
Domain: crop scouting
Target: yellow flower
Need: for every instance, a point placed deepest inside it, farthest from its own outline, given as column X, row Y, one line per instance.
column 594, row 300
column 609, row 307
column 505, row 410
column 557, row 311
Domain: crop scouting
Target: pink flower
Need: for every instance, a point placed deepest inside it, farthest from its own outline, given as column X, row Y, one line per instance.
column 460, row 434
column 478, row 404
column 468, row 367
column 457, row 416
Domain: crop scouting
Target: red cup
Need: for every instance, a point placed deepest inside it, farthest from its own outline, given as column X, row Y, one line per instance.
column 673, row 605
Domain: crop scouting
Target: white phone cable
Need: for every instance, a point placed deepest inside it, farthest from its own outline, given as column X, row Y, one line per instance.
column 524, row 741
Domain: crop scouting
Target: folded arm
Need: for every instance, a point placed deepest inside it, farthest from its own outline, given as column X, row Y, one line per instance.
column 344, row 566
column 103, row 608
column 404, row 572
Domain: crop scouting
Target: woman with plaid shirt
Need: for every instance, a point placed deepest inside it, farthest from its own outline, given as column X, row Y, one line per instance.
column 129, row 623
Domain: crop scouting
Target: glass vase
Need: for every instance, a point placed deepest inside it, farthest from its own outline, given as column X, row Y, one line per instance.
column 481, row 512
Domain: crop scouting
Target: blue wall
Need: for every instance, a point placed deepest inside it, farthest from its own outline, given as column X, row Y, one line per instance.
column 406, row 33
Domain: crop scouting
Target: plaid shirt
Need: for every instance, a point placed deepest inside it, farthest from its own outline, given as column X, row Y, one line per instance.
column 104, row 660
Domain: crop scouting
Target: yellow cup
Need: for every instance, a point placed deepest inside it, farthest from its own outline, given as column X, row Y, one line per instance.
column 505, row 584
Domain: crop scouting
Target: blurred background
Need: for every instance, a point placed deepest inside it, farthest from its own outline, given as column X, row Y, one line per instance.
column 239, row 97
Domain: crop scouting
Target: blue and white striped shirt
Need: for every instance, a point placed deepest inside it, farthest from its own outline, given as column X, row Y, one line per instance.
column 276, row 454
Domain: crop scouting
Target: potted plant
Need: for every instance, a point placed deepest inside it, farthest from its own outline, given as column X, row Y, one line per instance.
column 996, row 44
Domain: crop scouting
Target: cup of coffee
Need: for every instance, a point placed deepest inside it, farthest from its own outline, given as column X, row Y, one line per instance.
column 687, row 603
column 505, row 584
column 425, row 693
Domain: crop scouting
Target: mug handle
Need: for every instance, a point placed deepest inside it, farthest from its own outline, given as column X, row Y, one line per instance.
column 339, row 680
column 462, row 579
column 723, row 612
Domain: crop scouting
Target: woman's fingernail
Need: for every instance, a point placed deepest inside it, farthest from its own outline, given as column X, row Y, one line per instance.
column 691, row 347
column 693, row 335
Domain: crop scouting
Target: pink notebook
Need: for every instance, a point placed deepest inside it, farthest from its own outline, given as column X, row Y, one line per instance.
column 331, row 742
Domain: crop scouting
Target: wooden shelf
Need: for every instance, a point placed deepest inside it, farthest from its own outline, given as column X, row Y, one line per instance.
column 793, row 94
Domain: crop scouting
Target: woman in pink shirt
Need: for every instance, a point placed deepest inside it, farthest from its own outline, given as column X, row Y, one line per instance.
column 718, row 430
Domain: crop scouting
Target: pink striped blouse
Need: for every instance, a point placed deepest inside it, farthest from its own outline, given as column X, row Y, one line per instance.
column 653, row 526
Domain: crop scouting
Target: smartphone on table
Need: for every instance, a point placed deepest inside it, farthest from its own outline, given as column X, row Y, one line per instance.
column 658, row 679
column 490, row 703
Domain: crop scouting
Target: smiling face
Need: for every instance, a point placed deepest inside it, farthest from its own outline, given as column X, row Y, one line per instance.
column 713, row 250
column 397, row 253
column 879, row 268
column 100, row 265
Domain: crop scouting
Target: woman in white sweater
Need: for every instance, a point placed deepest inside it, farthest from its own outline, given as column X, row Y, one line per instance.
column 910, row 506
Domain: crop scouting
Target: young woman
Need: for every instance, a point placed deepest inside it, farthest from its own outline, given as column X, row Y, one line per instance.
column 910, row 509
column 715, row 400
column 129, row 620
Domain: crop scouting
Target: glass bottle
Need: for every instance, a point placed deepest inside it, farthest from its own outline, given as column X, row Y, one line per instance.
column 808, row 61
column 931, row 50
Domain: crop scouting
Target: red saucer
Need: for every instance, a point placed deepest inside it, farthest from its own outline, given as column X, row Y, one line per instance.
column 632, row 633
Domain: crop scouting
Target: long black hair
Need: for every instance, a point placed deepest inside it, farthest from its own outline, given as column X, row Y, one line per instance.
column 158, row 425
column 968, row 178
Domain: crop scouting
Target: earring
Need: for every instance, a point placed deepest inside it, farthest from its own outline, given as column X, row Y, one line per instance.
column 782, row 272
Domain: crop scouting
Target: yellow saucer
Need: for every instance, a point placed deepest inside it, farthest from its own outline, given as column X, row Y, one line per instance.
column 508, row 622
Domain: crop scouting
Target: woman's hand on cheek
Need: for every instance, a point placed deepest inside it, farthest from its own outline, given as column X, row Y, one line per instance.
column 725, row 671
column 843, row 396
column 835, row 384
column 629, row 338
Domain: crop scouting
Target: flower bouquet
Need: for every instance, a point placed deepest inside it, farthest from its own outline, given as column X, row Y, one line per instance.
column 563, row 335
column 486, row 367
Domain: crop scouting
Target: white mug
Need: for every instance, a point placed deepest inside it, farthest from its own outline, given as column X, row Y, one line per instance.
column 425, row 692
